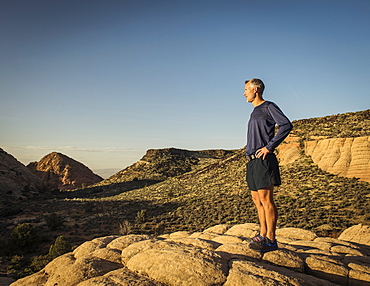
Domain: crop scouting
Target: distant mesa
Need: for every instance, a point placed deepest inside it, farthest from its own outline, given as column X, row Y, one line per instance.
column 160, row 164
column 58, row 171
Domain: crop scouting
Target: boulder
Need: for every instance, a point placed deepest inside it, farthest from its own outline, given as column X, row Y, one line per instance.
column 244, row 230
column 179, row 264
column 358, row 233
column 66, row 270
column 206, row 244
column 237, row 251
column 285, row 258
column 250, row 273
column 219, row 229
column 121, row 277
column 327, row 268
column 296, row 233
column 122, row 242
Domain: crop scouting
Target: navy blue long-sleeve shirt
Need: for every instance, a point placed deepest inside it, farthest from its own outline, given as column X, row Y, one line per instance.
column 261, row 127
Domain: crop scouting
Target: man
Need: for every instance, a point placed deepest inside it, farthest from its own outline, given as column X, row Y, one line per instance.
column 262, row 167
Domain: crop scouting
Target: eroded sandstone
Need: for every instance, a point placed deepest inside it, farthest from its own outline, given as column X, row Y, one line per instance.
column 218, row 256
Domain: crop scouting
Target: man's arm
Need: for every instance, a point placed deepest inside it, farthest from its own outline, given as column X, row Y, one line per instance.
column 285, row 126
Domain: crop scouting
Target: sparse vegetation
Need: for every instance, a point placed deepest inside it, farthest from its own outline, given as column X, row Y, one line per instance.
column 59, row 247
column 188, row 194
column 54, row 221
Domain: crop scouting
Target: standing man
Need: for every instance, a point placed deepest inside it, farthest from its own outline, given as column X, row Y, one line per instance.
column 262, row 167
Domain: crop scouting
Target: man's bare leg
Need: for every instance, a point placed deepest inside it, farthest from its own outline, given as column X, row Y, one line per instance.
column 261, row 213
column 269, row 213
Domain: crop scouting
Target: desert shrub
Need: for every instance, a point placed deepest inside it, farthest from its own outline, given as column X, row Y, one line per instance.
column 140, row 217
column 38, row 263
column 125, row 227
column 59, row 247
column 54, row 221
column 21, row 266
column 17, row 262
column 23, row 238
column 159, row 228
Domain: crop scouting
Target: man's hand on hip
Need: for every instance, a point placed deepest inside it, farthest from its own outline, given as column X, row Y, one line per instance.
column 262, row 153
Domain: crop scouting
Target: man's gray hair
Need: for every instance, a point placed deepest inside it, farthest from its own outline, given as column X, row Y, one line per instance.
column 255, row 82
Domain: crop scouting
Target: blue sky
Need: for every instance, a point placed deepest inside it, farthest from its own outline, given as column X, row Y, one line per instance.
column 103, row 81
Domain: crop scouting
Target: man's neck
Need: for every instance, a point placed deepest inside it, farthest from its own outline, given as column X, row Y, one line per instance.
column 258, row 101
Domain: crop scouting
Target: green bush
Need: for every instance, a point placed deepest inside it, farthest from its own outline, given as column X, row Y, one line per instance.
column 23, row 238
column 38, row 263
column 60, row 246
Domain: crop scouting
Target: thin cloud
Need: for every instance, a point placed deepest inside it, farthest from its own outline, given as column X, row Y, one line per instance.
column 73, row 148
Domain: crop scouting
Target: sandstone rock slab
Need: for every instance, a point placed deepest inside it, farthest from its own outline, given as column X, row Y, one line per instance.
column 245, row 230
column 120, row 277
column 179, row 265
column 328, row 269
column 122, row 242
column 256, row 274
column 219, row 229
column 285, row 258
column 296, row 233
column 358, row 233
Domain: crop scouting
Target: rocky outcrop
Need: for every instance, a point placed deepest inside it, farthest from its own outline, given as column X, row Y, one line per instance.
column 357, row 233
column 219, row 255
column 15, row 178
column 58, row 171
column 160, row 164
column 289, row 151
column 346, row 157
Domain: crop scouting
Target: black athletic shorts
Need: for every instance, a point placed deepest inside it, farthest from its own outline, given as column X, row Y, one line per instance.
column 263, row 173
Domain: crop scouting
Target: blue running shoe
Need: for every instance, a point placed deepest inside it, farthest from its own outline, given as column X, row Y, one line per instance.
column 265, row 245
column 256, row 238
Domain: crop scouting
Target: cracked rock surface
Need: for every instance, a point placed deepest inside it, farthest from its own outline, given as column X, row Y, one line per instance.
column 219, row 255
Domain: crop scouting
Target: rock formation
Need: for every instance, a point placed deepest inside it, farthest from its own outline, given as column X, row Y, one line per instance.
column 217, row 256
column 15, row 178
column 346, row 157
column 58, row 171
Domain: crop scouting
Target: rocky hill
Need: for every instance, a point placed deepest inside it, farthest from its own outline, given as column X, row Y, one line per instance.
column 219, row 255
column 16, row 181
column 58, row 171
column 160, row 164
column 345, row 125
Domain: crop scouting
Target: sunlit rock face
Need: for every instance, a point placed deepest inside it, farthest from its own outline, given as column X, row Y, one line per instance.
column 58, row 171
column 346, row 157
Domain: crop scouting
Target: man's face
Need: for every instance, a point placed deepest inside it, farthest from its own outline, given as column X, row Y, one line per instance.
column 249, row 92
